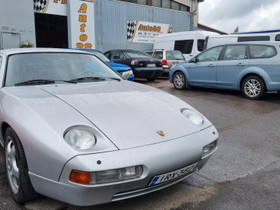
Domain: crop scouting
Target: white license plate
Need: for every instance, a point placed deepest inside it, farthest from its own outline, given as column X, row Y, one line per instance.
column 151, row 65
column 172, row 175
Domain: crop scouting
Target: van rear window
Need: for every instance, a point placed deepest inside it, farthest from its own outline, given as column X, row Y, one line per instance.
column 252, row 38
column 185, row 46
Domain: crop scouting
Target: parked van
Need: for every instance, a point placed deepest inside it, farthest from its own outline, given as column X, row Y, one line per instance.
column 214, row 40
column 190, row 43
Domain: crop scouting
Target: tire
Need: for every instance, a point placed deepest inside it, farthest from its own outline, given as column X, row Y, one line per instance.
column 253, row 87
column 180, row 81
column 16, row 168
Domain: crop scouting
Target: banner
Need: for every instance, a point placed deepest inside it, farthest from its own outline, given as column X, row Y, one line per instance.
column 81, row 24
column 145, row 32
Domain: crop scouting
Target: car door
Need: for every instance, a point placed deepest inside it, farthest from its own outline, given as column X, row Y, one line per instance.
column 229, row 68
column 201, row 71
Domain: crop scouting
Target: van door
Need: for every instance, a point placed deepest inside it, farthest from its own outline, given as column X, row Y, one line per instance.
column 233, row 62
column 10, row 40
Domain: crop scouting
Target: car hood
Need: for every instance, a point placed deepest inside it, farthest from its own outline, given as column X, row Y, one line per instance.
column 118, row 66
column 129, row 114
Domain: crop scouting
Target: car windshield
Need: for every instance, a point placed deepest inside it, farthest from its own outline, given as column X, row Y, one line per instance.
column 136, row 54
column 100, row 55
column 52, row 67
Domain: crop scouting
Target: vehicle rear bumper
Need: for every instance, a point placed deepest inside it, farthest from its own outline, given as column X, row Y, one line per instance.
column 147, row 72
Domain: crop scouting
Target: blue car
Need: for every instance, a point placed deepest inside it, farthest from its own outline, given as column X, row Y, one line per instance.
column 253, row 68
column 124, row 70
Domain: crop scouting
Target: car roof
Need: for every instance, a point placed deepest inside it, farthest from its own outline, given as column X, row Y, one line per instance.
column 274, row 43
column 38, row 50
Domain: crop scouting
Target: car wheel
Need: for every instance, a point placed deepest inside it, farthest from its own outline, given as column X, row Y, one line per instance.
column 16, row 168
column 253, row 87
column 180, row 81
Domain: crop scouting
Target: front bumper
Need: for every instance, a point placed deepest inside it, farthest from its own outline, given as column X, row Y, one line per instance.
column 171, row 155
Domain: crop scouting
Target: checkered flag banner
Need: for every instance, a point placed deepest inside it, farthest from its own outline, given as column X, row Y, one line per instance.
column 40, row 5
column 131, row 29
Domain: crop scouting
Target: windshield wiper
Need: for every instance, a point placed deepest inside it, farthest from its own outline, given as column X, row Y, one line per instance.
column 93, row 78
column 41, row 81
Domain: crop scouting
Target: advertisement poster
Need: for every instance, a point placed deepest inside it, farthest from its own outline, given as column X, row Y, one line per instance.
column 81, row 24
column 145, row 32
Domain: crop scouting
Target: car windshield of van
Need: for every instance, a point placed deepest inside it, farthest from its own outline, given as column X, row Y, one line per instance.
column 137, row 54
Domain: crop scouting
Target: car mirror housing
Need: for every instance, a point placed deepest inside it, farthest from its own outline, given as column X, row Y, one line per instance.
column 193, row 60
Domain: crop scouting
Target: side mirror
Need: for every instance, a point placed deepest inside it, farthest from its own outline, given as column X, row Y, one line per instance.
column 126, row 74
column 193, row 60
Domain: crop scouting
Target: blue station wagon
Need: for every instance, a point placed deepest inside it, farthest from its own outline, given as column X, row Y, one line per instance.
column 253, row 68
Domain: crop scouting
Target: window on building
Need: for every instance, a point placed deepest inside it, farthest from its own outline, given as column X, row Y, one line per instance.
column 175, row 5
column 156, row 3
column 185, row 46
column 184, row 8
column 166, row 4
column 142, row 2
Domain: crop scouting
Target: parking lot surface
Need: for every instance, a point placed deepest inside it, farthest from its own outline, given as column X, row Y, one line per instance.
column 243, row 174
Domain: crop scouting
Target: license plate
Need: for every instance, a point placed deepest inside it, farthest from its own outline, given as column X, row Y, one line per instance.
column 151, row 65
column 172, row 175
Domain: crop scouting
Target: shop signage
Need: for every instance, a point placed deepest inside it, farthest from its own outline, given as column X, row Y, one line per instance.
column 145, row 32
column 54, row 7
column 81, row 24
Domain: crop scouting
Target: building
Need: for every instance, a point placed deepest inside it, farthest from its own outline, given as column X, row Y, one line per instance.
column 99, row 24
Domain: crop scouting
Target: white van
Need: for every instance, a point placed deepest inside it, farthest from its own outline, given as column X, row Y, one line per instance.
column 190, row 43
column 214, row 40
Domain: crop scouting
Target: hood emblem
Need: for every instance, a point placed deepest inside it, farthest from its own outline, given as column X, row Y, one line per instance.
column 161, row 133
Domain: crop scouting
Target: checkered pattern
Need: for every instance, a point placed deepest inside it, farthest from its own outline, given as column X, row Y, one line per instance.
column 39, row 5
column 131, row 27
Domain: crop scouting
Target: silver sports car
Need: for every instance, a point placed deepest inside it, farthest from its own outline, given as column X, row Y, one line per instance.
column 74, row 130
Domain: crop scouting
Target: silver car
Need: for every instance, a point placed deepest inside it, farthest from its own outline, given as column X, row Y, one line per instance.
column 73, row 130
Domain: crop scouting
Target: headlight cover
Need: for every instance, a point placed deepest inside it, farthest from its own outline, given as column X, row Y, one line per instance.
column 80, row 138
column 193, row 116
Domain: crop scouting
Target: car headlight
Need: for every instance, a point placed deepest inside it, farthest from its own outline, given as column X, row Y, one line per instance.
column 80, row 138
column 193, row 116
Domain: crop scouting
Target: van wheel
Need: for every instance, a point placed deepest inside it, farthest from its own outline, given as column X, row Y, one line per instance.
column 180, row 81
column 16, row 167
column 253, row 87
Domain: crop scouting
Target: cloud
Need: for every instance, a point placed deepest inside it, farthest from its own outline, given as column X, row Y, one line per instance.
column 248, row 15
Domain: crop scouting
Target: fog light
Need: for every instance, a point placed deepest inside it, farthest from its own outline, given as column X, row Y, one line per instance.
column 116, row 175
column 209, row 148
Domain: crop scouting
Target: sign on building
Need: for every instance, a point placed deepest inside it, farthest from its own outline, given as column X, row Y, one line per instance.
column 145, row 32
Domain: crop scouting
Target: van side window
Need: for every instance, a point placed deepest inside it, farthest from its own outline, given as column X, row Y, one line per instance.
column 236, row 52
column 185, row 46
column 200, row 45
column 252, row 38
column 277, row 37
column 262, row 51
column 210, row 55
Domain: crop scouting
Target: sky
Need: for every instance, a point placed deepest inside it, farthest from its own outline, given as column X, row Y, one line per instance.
column 247, row 15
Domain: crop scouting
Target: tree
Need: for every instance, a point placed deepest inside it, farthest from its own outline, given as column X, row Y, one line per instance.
column 236, row 30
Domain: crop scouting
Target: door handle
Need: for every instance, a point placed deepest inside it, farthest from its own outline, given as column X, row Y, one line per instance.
column 211, row 66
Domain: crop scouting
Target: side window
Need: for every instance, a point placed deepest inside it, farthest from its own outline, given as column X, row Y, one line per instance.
column 200, row 45
column 277, row 37
column 210, row 55
column 253, row 38
column 158, row 55
column 116, row 56
column 235, row 52
column 108, row 55
column 262, row 51
column 185, row 46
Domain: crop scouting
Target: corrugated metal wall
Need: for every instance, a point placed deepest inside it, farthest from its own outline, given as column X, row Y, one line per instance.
column 111, row 19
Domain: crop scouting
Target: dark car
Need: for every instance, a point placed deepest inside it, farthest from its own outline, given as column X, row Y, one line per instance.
column 142, row 65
